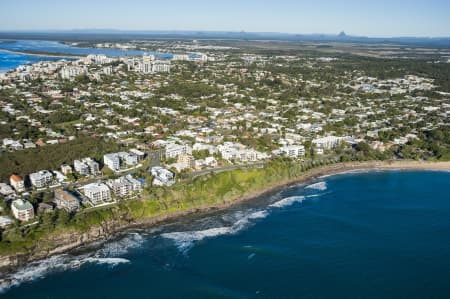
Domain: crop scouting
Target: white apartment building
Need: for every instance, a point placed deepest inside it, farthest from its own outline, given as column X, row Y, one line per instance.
column 97, row 193
column 238, row 152
column 180, row 57
column 116, row 160
column 99, row 59
column 70, row 72
column 174, row 150
column 160, row 66
column 112, row 161
column 41, row 179
column 328, row 142
column 147, row 62
column 162, row 176
column 125, row 186
column 128, row 159
column 22, row 210
column 202, row 147
column 81, row 167
column 293, row 151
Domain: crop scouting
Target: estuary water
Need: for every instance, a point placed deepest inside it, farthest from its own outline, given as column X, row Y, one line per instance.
column 356, row 235
column 9, row 60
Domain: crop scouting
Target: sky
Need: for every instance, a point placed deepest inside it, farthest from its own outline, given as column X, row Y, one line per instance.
column 380, row 18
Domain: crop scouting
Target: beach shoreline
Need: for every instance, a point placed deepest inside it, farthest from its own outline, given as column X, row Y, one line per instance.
column 41, row 54
column 71, row 241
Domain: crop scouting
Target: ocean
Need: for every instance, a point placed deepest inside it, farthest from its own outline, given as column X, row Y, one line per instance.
column 377, row 234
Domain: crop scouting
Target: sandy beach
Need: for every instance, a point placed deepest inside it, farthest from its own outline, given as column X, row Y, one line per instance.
column 62, row 56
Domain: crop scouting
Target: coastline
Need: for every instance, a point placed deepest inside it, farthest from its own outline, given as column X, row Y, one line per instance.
column 67, row 242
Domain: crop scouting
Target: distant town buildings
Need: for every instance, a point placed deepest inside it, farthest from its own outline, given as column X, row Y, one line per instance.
column 70, row 72
column 148, row 64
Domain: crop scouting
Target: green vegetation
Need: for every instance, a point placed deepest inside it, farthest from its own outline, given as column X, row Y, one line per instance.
column 52, row 156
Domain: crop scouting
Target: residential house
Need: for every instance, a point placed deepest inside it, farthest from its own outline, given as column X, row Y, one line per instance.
column 5, row 221
column 44, row 208
column 162, row 176
column 65, row 200
column 6, row 189
column 66, row 169
column 17, row 182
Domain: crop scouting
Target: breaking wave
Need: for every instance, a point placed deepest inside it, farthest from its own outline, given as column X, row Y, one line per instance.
column 186, row 240
column 287, row 201
column 40, row 269
column 112, row 261
column 106, row 255
column 322, row 186
column 121, row 246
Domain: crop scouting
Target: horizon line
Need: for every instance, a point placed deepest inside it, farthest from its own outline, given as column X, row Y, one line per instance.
column 112, row 30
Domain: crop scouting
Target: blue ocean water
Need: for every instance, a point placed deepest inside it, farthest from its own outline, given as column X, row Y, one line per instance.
column 357, row 235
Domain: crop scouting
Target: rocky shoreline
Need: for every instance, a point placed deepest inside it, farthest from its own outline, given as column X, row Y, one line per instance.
column 63, row 243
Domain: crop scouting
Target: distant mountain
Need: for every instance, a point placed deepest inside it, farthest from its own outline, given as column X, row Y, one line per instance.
column 342, row 34
column 124, row 35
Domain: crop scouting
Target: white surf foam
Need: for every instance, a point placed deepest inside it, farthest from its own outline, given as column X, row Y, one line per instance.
column 112, row 261
column 185, row 240
column 318, row 186
column 60, row 263
column 35, row 271
column 121, row 246
column 107, row 255
column 287, row 201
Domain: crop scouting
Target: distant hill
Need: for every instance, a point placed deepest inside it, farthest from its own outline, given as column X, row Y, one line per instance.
column 124, row 35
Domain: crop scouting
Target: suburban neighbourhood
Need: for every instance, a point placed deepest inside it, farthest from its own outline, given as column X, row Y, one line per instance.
column 193, row 113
